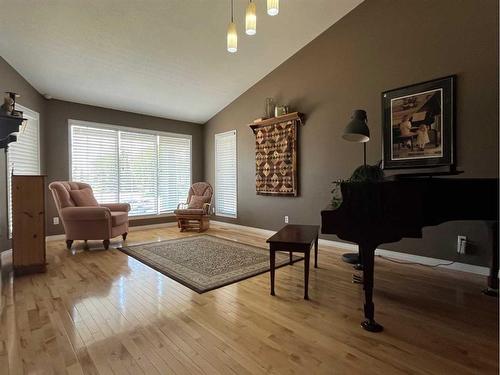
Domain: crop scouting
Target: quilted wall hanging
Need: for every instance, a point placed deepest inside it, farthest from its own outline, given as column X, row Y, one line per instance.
column 276, row 155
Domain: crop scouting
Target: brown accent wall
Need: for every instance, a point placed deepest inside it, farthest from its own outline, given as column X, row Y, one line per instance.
column 57, row 154
column 11, row 80
column 380, row 45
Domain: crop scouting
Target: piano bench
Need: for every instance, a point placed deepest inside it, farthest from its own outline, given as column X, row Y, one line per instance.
column 294, row 238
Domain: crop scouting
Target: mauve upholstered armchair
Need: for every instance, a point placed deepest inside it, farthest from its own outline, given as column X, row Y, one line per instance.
column 83, row 218
column 195, row 213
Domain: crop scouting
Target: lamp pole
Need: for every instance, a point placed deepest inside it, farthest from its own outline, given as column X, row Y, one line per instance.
column 364, row 154
column 357, row 131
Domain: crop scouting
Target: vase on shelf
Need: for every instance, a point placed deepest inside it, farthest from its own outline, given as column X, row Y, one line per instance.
column 280, row 110
column 270, row 107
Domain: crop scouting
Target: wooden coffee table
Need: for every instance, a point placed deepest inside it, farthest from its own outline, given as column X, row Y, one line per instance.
column 295, row 238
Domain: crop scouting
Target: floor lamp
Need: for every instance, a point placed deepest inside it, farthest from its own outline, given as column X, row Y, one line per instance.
column 356, row 131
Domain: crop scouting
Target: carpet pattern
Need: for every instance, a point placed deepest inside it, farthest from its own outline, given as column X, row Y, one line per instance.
column 205, row 262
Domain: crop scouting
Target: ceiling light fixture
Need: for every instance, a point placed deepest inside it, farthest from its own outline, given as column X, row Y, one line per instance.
column 251, row 19
column 273, row 7
column 232, row 35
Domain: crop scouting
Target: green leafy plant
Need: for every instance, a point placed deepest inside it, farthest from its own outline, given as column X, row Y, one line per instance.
column 368, row 173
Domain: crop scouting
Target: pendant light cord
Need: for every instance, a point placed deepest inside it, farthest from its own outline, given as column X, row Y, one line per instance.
column 232, row 5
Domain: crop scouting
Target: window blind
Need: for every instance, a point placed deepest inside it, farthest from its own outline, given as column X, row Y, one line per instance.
column 174, row 172
column 94, row 160
column 225, row 174
column 23, row 156
column 139, row 172
column 151, row 171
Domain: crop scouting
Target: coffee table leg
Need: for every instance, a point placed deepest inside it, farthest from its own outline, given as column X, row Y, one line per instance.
column 306, row 274
column 272, row 257
column 291, row 257
column 316, row 253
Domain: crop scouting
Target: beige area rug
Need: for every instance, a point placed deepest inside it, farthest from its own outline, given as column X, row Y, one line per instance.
column 205, row 262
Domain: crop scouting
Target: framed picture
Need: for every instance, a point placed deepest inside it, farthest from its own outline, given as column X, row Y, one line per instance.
column 418, row 125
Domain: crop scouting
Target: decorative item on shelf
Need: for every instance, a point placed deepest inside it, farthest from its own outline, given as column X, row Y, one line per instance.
column 10, row 120
column 9, row 105
column 280, row 110
column 276, row 155
column 251, row 19
column 419, row 125
column 232, row 34
column 273, row 7
column 270, row 107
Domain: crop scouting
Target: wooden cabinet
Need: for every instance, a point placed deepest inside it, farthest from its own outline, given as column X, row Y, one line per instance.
column 28, row 224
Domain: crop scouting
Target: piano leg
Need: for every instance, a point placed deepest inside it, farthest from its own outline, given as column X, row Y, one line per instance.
column 368, row 255
column 492, row 289
column 356, row 279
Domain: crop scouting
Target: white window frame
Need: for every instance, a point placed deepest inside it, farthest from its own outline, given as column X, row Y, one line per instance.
column 235, row 216
column 98, row 125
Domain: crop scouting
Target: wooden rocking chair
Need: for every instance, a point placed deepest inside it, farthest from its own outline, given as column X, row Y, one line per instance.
column 195, row 213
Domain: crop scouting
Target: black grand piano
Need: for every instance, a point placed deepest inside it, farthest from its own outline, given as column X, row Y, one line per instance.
column 374, row 213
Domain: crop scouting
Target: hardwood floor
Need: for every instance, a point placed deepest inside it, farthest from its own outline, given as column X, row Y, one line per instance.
column 102, row 312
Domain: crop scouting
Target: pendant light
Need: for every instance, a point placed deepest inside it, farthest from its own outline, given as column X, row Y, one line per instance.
column 232, row 35
column 251, row 19
column 273, row 7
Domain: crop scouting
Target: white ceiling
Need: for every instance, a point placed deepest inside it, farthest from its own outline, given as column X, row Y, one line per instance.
column 164, row 58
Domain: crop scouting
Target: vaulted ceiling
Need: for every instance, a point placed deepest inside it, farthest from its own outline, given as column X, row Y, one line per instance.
column 164, row 58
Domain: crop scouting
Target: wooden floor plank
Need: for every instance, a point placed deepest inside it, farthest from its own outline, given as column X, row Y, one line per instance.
column 102, row 312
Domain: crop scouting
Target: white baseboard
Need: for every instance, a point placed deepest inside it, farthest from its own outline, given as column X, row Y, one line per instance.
column 403, row 257
column 153, row 226
column 58, row 237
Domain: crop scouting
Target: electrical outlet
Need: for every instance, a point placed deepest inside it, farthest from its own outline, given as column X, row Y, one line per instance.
column 55, row 220
column 461, row 244
column 286, row 219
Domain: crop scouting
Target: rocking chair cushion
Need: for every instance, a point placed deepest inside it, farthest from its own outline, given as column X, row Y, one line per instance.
column 198, row 201
column 189, row 211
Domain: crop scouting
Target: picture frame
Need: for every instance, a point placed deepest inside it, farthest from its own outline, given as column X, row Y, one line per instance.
column 418, row 125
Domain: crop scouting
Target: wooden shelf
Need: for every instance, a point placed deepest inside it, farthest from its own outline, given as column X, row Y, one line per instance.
column 276, row 120
column 8, row 125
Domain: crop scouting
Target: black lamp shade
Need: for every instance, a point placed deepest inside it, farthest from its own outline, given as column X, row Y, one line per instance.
column 357, row 129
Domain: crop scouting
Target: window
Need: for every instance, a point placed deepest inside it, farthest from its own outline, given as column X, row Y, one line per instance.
column 174, row 161
column 94, row 160
column 150, row 170
column 23, row 156
column 225, row 174
column 139, row 172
